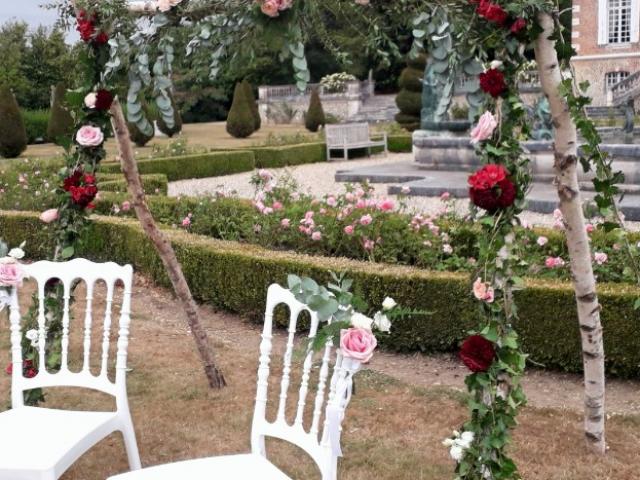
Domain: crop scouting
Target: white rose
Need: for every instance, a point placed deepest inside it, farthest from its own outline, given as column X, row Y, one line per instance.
column 496, row 64
column 32, row 335
column 381, row 322
column 90, row 100
column 466, row 439
column 359, row 320
column 16, row 253
column 388, row 303
column 7, row 260
column 456, row 452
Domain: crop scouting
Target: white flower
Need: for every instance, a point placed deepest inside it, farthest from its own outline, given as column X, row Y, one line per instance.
column 456, row 452
column 16, row 253
column 7, row 260
column 359, row 320
column 466, row 439
column 496, row 64
column 32, row 335
column 90, row 100
column 448, row 249
column 388, row 303
column 382, row 322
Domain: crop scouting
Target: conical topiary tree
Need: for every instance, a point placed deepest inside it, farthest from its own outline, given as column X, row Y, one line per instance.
column 240, row 121
column 314, row 118
column 13, row 135
column 248, row 93
column 60, row 120
column 177, row 121
column 409, row 99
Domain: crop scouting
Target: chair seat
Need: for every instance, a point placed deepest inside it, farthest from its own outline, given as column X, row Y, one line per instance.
column 38, row 440
column 230, row 467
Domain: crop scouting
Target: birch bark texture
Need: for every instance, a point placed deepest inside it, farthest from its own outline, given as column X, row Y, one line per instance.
column 566, row 181
column 163, row 247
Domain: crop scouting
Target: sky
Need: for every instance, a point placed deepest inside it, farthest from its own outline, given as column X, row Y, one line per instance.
column 26, row 10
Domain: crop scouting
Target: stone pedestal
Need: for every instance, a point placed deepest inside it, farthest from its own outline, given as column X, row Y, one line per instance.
column 435, row 150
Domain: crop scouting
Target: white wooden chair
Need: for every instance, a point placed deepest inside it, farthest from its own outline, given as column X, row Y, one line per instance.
column 351, row 136
column 41, row 443
column 322, row 446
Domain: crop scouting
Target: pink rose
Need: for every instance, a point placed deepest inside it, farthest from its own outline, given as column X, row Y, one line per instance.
column 349, row 197
column 445, row 196
column 277, row 205
column 265, row 174
column 486, row 125
column 358, row 344
column 553, row 262
column 590, row 228
column 386, row 205
column 348, row 229
column 316, row 236
column 600, row 258
column 270, row 8
column 166, row 5
column 126, row 206
column 366, row 220
column 284, row 4
column 331, row 201
column 186, row 222
column 285, row 223
column 89, row 136
column 90, row 100
column 483, row 291
column 49, row 216
column 405, row 190
column 542, row 241
column 368, row 244
column 11, row 274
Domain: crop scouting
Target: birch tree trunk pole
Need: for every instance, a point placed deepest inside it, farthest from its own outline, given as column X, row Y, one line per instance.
column 163, row 246
column 566, row 169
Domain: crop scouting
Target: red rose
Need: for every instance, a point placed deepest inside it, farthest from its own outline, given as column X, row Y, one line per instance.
column 477, row 353
column 488, row 176
column 492, row 82
column 490, row 188
column 89, row 178
column 104, row 99
column 9, row 369
column 85, row 27
column 101, row 38
column 30, row 373
column 83, row 196
column 492, row 12
column 72, row 181
column 518, row 25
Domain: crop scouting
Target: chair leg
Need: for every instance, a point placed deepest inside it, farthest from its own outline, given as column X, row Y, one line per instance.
column 131, row 446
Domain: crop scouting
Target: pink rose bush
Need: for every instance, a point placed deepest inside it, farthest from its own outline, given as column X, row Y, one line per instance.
column 272, row 8
column 483, row 291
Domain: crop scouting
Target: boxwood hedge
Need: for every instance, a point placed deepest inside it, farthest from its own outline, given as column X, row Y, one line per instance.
column 153, row 183
column 235, row 277
column 204, row 165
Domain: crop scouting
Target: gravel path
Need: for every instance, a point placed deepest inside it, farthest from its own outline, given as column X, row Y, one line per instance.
column 318, row 180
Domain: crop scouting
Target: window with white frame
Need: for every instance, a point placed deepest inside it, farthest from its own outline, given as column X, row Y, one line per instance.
column 613, row 78
column 618, row 22
column 619, row 19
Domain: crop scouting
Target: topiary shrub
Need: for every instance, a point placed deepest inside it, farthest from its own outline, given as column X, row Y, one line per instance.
column 13, row 135
column 248, row 93
column 240, row 122
column 177, row 121
column 314, row 118
column 61, row 122
column 409, row 99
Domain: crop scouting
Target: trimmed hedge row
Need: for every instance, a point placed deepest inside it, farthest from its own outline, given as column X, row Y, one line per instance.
column 204, row 165
column 235, row 277
column 153, row 183
column 288, row 155
column 400, row 143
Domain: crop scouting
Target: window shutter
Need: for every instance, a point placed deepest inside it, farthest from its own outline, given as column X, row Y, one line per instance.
column 603, row 22
column 635, row 21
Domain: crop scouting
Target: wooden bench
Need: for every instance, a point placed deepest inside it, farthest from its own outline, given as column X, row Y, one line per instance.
column 351, row 136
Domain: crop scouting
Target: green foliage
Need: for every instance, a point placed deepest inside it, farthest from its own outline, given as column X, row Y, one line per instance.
column 139, row 137
column 277, row 157
column 193, row 166
column 409, row 99
column 13, row 136
column 36, row 123
column 253, row 104
column 177, row 121
column 152, row 183
column 240, row 122
column 61, row 124
column 235, row 277
column 400, row 143
column 314, row 117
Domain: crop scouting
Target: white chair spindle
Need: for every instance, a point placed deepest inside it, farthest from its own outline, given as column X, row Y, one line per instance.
column 42, row 327
column 104, row 368
column 322, row 382
column 286, row 370
column 88, row 320
column 123, row 333
column 16, row 347
column 337, row 374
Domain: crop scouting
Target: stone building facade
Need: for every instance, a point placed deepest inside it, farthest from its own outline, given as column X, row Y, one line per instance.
column 606, row 35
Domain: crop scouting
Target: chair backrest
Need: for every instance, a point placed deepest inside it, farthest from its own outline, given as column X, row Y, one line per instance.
column 68, row 273
column 322, row 439
column 347, row 134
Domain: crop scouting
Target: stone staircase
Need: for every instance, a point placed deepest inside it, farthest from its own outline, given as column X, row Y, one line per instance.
column 376, row 109
column 627, row 89
column 603, row 113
